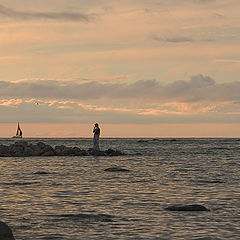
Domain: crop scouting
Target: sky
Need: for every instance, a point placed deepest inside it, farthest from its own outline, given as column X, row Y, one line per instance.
column 131, row 65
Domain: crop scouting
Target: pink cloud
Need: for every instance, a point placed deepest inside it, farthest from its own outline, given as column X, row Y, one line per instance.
column 10, row 102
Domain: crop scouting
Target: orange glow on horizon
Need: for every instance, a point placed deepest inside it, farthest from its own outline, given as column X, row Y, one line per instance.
column 68, row 130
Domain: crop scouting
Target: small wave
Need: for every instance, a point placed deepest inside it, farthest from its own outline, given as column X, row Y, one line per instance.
column 19, row 183
column 86, row 217
column 51, row 237
column 209, row 181
column 203, row 238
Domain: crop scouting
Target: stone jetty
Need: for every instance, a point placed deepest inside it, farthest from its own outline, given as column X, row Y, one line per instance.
column 24, row 149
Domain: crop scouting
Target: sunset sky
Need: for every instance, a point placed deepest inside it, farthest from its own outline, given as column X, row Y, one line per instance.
column 144, row 67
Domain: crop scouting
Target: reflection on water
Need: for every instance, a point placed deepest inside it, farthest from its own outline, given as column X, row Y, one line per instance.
column 74, row 198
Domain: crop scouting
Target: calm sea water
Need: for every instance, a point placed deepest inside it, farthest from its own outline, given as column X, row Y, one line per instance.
column 76, row 199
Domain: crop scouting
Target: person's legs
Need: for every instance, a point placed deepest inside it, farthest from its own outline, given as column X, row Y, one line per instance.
column 96, row 142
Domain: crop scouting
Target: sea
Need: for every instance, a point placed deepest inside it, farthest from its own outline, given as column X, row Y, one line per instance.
column 73, row 198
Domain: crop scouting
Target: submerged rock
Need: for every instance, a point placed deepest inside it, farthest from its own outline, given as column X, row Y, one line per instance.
column 191, row 207
column 5, row 232
column 209, row 181
column 23, row 149
column 116, row 169
column 41, row 173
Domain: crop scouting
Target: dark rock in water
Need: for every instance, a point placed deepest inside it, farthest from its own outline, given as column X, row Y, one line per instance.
column 111, row 152
column 79, row 152
column 16, row 150
column 70, row 151
column 116, row 169
column 21, row 143
column 209, row 181
column 35, row 150
column 5, row 232
column 41, row 173
column 64, row 151
column 95, row 152
column 142, row 141
column 48, row 153
column 28, row 151
column 191, row 207
column 47, row 148
column 4, row 151
column 59, row 150
column 155, row 139
column 41, row 145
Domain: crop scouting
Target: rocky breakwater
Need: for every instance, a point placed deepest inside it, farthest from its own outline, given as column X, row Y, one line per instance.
column 24, row 149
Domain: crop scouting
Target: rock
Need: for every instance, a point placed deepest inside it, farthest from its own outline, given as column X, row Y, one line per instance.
column 191, row 207
column 21, row 143
column 155, row 140
column 95, row 152
column 142, row 141
column 79, row 152
column 69, row 151
column 48, row 153
column 116, row 169
column 59, row 150
column 48, row 148
column 4, row 151
column 28, row 151
column 5, row 232
column 111, row 152
column 41, row 172
column 41, row 145
column 36, row 150
column 209, row 181
column 16, row 150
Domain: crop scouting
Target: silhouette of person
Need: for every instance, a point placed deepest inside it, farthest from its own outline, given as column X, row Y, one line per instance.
column 96, row 131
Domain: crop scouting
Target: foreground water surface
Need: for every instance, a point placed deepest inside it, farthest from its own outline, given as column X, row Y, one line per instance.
column 73, row 198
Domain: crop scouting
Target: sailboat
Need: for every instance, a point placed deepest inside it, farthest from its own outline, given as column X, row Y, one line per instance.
column 19, row 132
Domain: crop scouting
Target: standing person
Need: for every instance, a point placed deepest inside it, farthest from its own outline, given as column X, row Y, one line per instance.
column 96, row 131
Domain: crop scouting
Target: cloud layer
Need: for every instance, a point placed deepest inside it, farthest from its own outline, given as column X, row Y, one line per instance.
column 31, row 15
column 199, row 88
column 199, row 99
